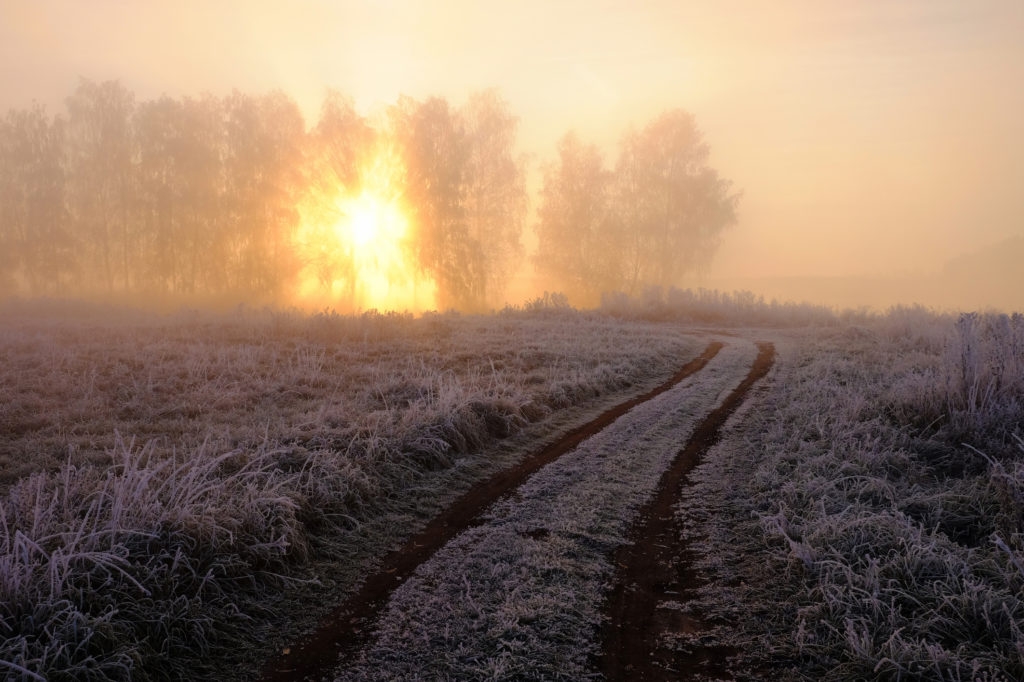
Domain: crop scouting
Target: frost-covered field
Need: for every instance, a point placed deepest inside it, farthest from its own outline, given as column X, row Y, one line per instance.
column 177, row 488
column 520, row 595
column 864, row 518
column 168, row 480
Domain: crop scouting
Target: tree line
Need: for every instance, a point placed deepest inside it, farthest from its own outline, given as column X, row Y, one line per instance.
column 654, row 217
column 202, row 196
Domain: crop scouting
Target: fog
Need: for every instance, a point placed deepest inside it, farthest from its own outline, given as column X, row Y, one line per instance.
column 877, row 146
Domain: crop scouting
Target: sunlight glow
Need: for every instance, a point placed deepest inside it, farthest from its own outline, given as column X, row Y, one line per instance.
column 369, row 220
column 358, row 253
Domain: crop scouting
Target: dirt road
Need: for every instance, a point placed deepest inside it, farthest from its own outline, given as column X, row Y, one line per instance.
column 511, row 580
column 655, row 576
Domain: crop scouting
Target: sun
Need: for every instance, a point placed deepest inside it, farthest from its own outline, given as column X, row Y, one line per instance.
column 367, row 219
column 358, row 252
column 364, row 216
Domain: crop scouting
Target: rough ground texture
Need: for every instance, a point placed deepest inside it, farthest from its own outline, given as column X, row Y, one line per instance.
column 178, row 496
column 848, row 536
column 344, row 630
column 520, row 595
column 656, row 575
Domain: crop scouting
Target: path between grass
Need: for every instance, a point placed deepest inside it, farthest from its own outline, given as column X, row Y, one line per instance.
column 519, row 595
column 350, row 625
column 655, row 576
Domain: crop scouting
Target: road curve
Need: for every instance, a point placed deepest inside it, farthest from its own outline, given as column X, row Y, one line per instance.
column 347, row 628
column 654, row 568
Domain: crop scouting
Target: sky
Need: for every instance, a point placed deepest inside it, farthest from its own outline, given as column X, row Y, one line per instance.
column 870, row 139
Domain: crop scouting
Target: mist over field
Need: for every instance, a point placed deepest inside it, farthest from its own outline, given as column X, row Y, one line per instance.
column 589, row 339
column 397, row 156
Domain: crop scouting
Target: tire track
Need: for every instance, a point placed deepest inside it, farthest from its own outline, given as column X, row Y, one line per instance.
column 655, row 569
column 347, row 628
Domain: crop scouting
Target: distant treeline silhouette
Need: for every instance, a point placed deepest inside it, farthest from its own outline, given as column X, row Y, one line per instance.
column 658, row 215
column 204, row 195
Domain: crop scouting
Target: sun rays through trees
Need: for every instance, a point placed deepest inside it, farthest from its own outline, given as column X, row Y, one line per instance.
column 421, row 206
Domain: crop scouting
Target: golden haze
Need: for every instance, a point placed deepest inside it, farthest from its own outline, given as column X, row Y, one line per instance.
column 358, row 251
column 878, row 145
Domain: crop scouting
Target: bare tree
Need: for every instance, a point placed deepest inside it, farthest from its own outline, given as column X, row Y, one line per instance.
column 671, row 206
column 200, row 159
column 100, row 179
column 657, row 217
column 433, row 140
column 158, row 137
column 575, row 251
column 337, row 152
column 178, row 171
column 495, row 195
column 35, row 244
column 263, row 154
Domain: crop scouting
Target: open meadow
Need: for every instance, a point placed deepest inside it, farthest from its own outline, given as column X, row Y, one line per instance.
column 166, row 480
column 462, row 341
column 184, row 496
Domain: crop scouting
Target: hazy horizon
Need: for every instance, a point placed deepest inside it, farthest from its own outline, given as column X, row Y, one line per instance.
column 872, row 141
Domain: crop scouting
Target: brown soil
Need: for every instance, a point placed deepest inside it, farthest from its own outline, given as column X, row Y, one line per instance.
column 349, row 626
column 649, row 634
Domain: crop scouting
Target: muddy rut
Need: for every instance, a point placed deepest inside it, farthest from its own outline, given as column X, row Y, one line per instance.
column 349, row 626
column 646, row 609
